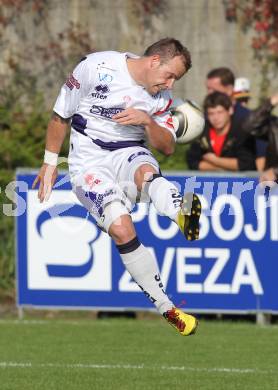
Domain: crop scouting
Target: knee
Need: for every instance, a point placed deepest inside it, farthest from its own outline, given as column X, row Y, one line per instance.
column 122, row 230
column 143, row 174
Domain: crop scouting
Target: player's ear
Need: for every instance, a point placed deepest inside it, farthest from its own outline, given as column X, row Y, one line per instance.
column 155, row 60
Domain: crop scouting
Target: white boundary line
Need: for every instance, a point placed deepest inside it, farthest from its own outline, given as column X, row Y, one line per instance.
column 77, row 322
column 229, row 370
column 95, row 322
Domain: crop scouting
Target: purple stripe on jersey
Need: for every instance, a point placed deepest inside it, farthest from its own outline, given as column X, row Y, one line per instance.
column 117, row 144
column 79, row 123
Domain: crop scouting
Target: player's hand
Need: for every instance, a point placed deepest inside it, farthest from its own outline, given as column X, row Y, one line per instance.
column 46, row 178
column 131, row 116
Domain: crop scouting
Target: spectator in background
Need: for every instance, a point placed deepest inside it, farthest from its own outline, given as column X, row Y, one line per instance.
column 261, row 123
column 242, row 91
column 223, row 145
column 223, row 80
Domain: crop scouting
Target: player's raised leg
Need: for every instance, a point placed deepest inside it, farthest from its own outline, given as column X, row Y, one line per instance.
column 143, row 268
column 167, row 200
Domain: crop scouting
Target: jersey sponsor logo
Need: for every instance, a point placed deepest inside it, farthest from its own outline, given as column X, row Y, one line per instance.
column 72, row 82
column 105, row 112
column 91, row 180
column 134, row 155
column 107, row 78
column 102, row 88
column 101, row 91
column 99, row 200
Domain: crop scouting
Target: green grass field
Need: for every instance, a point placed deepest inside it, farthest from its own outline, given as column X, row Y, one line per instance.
column 136, row 354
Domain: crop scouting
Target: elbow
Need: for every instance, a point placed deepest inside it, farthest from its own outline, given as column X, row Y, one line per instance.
column 168, row 150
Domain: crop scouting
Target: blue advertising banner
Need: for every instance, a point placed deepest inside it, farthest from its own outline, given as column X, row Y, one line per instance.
column 65, row 261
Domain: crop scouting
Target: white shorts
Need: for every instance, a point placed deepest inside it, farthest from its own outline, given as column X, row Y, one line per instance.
column 103, row 179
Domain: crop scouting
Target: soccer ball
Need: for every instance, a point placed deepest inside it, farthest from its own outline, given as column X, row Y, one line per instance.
column 188, row 120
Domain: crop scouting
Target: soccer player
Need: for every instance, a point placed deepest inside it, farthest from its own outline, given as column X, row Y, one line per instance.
column 117, row 102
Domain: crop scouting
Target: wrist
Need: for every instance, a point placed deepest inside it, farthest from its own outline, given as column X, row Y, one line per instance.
column 148, row 120
column 50, row 158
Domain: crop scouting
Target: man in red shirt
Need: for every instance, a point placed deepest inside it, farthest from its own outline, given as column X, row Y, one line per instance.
column 223, row 80
column 223, row 145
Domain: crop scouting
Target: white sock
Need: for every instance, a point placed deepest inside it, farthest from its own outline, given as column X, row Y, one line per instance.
column 143, row 268
column 165, row 197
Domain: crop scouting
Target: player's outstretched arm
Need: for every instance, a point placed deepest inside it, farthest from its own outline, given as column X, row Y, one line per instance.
column 56, row 132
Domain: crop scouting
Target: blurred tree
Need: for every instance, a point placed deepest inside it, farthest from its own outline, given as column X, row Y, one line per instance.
column 261, row 17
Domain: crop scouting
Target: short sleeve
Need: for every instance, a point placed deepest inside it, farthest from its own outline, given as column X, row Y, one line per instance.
column 163, row 117
column 77, row 86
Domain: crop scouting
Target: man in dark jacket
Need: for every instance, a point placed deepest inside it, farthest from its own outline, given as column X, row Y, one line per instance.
column 263, row 125
column 223, row 145
column 223, row 80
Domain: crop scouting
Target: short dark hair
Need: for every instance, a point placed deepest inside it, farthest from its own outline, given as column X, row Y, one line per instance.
column 225, row 75
column 217, row 99
column 168, row 48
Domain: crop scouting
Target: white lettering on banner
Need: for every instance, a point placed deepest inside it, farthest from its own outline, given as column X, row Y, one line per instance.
column 140, row 213
column 218, row 206
column 253, row 233
column 126, row 283
column 222, row 255
column 246, row 274
column 157, row 230
column 274, row 218
column 184, row 269
column 245, row 271
column 250, row 232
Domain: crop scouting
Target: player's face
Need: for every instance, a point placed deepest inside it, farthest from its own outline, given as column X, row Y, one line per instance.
column 162, row 76
column 214, row 85
column 219, row 117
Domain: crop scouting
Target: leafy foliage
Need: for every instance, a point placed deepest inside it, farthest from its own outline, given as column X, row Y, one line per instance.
column 261, row 17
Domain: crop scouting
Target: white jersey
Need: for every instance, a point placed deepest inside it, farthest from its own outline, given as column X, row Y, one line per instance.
column 100, row 87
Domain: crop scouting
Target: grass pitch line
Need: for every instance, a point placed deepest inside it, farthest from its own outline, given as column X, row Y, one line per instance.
column 229, row 370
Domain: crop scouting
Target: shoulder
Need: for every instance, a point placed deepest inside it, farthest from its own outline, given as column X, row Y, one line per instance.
column 101, row 57
column 164, row 100
column 240, row 112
